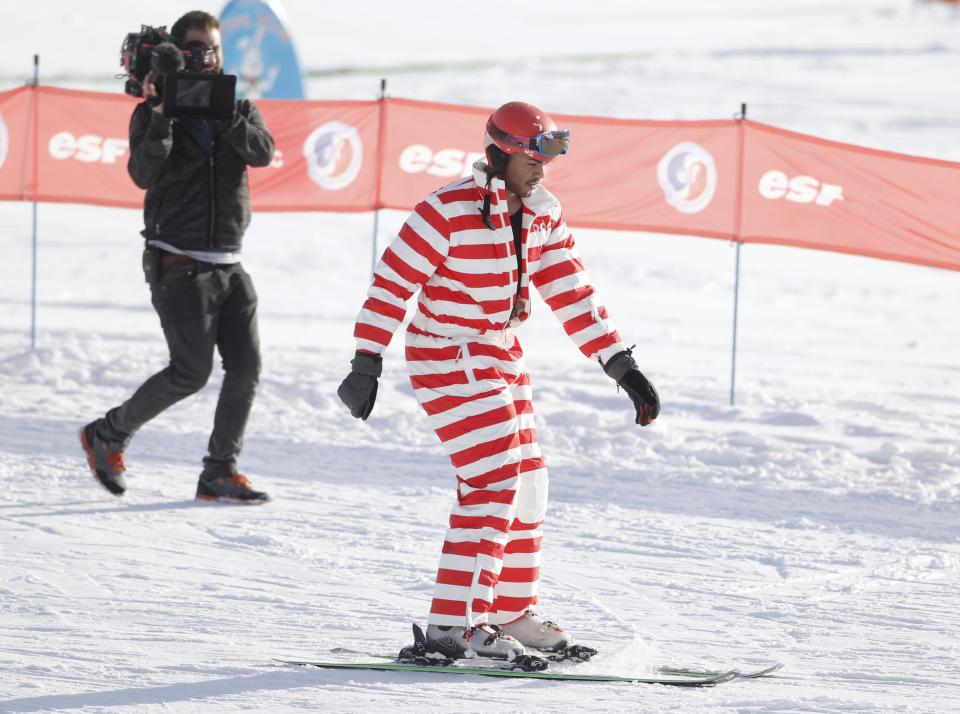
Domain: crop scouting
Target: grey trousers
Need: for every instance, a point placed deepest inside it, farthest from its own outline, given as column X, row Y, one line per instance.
column 201, row 306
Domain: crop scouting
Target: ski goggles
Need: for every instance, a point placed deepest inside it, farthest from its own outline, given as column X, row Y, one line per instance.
column 548, row 144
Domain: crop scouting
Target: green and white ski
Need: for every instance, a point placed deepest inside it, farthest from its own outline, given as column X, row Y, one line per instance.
column 671, row 679
column 755, row 674
column 678, row 671
column 416, row 658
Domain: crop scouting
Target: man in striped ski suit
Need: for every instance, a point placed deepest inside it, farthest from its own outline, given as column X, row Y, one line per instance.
column 472, row 249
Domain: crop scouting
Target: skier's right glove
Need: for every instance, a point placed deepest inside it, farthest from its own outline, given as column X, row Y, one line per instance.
column 623, row 368
column 359, row 390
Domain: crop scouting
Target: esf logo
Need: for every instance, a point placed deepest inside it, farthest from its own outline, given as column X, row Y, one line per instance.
column 539, row 231
column 418, row 158
column 4, row 141
column 334, row 154
column 688, row 176
column 89, row 148
column 798, row 189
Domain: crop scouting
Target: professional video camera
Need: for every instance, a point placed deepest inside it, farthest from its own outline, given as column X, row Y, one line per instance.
column 186, row 83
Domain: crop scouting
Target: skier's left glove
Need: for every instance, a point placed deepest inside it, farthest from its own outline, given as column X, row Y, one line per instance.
column 359, row 390
column 623, row 368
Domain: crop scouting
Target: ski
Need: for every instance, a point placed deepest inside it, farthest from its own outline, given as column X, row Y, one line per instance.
column 417, row 657
column 675, row 680
column 558, row 657
column 756, row 674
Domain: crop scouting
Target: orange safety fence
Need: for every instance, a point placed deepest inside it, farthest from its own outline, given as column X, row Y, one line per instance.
column 732, row 179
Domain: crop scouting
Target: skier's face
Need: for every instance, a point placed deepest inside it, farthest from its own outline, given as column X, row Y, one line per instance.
column 523, row 174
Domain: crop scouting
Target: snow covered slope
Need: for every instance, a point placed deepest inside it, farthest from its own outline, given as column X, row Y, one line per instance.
column 814, row 523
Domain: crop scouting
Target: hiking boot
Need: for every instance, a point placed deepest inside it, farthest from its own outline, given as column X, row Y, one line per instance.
column 229, row 489
column 107, row 465
column 478, row 641
column 531, row 630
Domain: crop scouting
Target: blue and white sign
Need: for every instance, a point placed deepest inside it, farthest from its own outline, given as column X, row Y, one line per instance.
column 257, row 47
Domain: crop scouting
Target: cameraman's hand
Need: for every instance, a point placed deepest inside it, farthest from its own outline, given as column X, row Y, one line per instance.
column 623, row 368
column 151, row 90
column 225, row 124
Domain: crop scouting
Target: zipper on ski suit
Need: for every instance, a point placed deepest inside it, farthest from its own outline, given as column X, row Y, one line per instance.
column 212, row 226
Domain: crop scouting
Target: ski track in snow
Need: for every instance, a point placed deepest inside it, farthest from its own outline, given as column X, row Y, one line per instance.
column 814, row 523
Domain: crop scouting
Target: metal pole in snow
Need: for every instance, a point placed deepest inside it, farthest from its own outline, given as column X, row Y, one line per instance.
column 379, row 169
column 736, row 280
column 736, row 300
column 33, row 285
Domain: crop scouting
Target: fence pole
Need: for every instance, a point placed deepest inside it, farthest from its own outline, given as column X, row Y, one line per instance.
column 33, row 281
column 736, row 300
column 736, row 279
column 379, row 173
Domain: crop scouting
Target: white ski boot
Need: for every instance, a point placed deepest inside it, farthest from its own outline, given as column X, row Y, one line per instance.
column 478, row 641
column 531, row 630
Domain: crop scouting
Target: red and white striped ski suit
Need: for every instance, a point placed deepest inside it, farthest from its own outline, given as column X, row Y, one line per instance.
column 466, row 367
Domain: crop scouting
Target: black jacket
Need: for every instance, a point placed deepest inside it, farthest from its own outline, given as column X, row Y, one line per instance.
column 197, row 201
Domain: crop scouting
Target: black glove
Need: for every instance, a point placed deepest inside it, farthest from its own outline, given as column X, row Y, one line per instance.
column 359, row 390
column 623, row 368
column 225, row 124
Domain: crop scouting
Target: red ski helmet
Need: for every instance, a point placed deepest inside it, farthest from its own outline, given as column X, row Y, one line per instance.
column 518, row 127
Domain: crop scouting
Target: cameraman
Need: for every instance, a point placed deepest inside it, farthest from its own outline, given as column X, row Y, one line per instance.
column 196, row 210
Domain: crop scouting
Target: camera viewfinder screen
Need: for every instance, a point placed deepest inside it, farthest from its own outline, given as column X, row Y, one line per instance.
column 194, row 93
column 211, row 96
